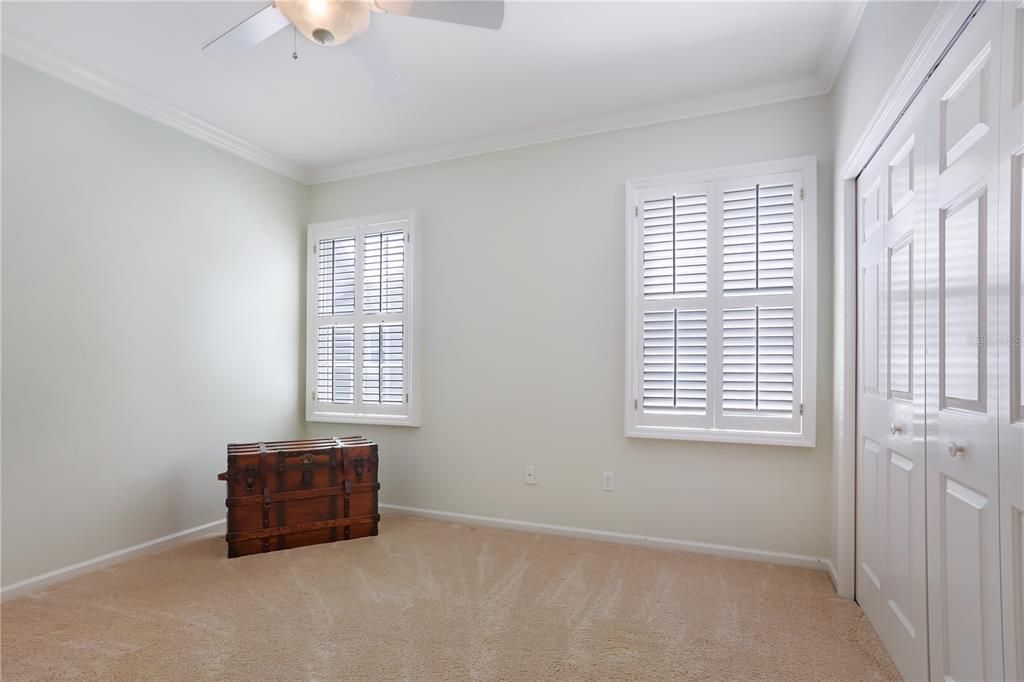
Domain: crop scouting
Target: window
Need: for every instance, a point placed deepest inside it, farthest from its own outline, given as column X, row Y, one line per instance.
column 721, row 297
column 361, row 331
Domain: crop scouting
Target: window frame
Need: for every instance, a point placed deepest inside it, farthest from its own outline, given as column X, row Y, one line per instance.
column 407, row 414
column 714, row 426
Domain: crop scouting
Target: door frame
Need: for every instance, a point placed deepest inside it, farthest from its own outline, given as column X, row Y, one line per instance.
column 942, row 29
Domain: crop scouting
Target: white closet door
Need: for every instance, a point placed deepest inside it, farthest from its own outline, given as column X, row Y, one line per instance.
column 965, row 620
column 891, row 583
column 1011, row 333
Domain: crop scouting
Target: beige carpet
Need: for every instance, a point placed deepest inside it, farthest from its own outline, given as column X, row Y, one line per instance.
column 430, row 601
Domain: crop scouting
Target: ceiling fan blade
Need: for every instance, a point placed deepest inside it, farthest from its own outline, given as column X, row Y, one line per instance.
column 375, row 58
column 249, row 33
column 482, row 13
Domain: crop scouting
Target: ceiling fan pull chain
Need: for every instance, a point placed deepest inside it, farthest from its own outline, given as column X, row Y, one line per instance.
column 295, row 43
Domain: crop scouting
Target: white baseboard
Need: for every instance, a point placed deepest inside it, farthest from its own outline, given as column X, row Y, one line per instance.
column 729, row 551
column 831, row 569
column 28, row 585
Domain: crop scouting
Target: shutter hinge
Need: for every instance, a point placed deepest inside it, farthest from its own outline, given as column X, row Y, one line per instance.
column 636, row 404
column 801, row 408
column 636, row 211
column 314, row 247
column 803, row 194
column 312, row 395
column 407, row 397
column 408, row 237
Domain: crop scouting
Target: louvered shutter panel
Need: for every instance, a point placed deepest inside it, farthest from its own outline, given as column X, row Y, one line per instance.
column 675, row 361
column 757, row 360
column 335, row 344
column 739, row 360
column 335, row 364
column 383, row 369
column 758, row 239
column 659, row 360
column 675, row 246
column 383, row 364
column 674, row 236
column 336, row 281
column 775, row 355
column 383, row 272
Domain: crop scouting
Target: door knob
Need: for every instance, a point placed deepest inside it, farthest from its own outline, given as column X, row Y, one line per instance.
column 955, row 449
column 895, row 428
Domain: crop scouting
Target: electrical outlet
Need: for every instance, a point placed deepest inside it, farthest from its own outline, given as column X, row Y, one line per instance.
column 608, row 481
column 529, row 476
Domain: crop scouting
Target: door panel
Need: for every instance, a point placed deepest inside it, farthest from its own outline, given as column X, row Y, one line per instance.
column 964, row 601
column 870, row 512
column 963, row 594
column 1011, row 332
column 962, row 271
column 901, row 322
column 964, row 111
column 891, row 467
column 900, row 537
column 870, row 366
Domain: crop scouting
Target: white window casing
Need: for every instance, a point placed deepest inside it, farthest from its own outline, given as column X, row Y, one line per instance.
column 721, row 299
column 361, row 321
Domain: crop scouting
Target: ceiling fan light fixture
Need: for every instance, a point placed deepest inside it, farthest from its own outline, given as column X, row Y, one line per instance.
column 323, row 36
column 327, row 22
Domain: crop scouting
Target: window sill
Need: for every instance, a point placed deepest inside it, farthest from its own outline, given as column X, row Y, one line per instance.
column 710, row 436
column 382, row 419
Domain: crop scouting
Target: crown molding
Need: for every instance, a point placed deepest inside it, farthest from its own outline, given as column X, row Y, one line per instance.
column 684, row 109
column 71, row 71
column 837, row 45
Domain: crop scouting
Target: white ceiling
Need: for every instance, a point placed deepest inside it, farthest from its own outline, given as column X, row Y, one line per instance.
column 554, row 70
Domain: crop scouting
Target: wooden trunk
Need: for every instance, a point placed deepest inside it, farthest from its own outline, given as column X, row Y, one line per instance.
column 288, row 494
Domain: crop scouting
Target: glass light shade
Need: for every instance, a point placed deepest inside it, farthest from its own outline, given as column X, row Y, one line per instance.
column 327, row 22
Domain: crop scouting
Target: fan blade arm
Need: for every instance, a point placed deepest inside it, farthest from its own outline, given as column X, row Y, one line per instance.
column 386, row 76
column 249, row 33
column 481, row 13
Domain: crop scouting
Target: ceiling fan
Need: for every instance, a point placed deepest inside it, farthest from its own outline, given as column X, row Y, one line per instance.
column 337, row 22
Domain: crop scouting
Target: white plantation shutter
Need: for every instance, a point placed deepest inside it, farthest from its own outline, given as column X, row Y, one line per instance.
column 361, row 322
column 716, row 306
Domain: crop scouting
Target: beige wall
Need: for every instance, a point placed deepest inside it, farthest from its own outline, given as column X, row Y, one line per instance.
column 523, row 341
column 135, row 257
column 152, row 293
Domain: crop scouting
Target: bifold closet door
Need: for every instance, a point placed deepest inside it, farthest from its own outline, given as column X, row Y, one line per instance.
column 1011, row 334
column 962, row 410
column 891, row 582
